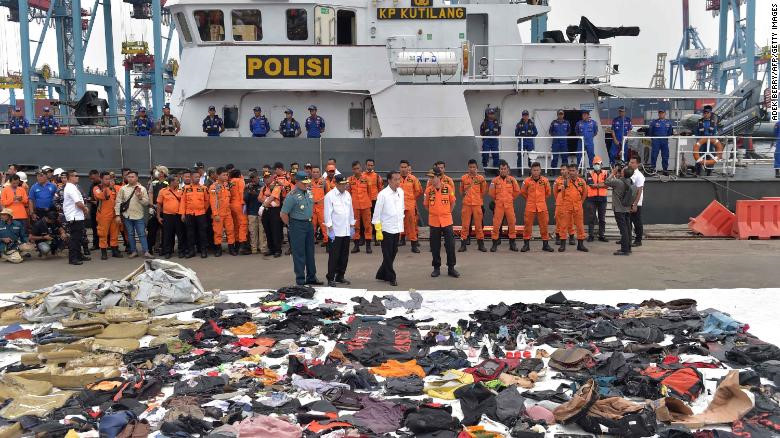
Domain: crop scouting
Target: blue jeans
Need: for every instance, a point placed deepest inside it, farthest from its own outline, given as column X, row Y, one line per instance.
column 136, row 227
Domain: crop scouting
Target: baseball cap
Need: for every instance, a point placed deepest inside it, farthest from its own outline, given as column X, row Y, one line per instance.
column 525, row 112
column 490, row 111
column 586, row 111
column 142, row 109
column 58, row 171
column 560, row 111
column 167, row 105
column 312, row 107
column 303, row 177
column 288, row 110
column 257, row 109
column 212, row 108
column 340, row 179
column 45, row 168
column 18, row 108
column 622, row 108
column 661, row 110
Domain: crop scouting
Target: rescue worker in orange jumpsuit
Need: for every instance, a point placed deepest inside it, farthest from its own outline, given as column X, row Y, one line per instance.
column 330, row 175
column 473, row 187
column 108, row 229
column 192, row 208
column 240, row 221
column 597, row 199
column 504, row 189
column 573, row 192
column 168, row 203
column 221, row 218
column 557, row 185
column 412, row 190
column 375, row 185
column 441, row 165
column 536, row 189
column 440, row 200
column 319, row 188
column 361, row 204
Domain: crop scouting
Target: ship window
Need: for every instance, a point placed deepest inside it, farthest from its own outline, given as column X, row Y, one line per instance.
column 247, row 25
column 185, row 28
column 357, row 119
column 230, row 117
column 297, row 26
column 211, row 25
column 345, row 27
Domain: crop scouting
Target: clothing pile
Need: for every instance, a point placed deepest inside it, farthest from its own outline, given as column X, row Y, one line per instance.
column 298, row 363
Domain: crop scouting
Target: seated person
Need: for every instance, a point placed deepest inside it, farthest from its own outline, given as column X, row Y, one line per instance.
column 48, row 234
column 12, row 236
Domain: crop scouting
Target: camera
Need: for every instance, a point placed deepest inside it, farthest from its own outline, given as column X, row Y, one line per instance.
column 619, row 164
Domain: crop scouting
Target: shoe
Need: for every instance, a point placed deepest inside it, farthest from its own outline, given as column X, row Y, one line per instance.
column 571, row 240
column 484, row 353
column 581, row 246
column 368, row 247
column 777, row 173
column 636, row 243
column 512, row 245
column 355, row 248
column 277, row 255
column 189, row 255
column 103, row 254
column 268, row 254
column 343, row 281
column 416, row 247
column 332, row 283
column 132, row 255
column 546, row 246
column 376, row 243
column 526, row 246
column 86, row 251
column 233, row 249
column 603, row 239
column 557, row 240
column 468, row 240
column 620, row 253
column 591, row 239
column 315, row 282
column 453, row 273
column 288, row 251
column 402, row 242
column 245, row 249
column 204, row 254
column 494, row 247
column 481, row 245
column 497, row 353
column 435, row 272
column 393, row 283
column 462, row 246
column 115, row 253
column 562, row 246
column 148, row 255
column 77, row 262
column 218, row 251
column 168, row 256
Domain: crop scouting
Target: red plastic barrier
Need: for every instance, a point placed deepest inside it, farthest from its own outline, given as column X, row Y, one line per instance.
column 714, row 221
column 758, row 219
column 488, row 230
column 770, row 198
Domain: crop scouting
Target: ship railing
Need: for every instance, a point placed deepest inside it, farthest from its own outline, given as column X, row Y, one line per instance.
column 681, row 149
column 512, row 150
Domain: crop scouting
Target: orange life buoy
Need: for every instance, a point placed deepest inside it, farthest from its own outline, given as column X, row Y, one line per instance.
column 713, row 142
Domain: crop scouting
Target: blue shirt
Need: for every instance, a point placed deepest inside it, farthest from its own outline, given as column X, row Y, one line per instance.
column 314, row 126
column 621, row 126
column 48, row 124
column 588, row 129
column 289, row 128
column 42, row 195
column 560, row 128
column 143, row 126
column 707, row 127
column 299, row 204
column 660, row 128
column 259, row 126
column 526, row 129
column 18, row 125
column 490, row 128
column 212, row 125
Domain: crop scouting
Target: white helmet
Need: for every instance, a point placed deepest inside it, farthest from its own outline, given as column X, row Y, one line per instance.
column 58, row 171
column 22, row 176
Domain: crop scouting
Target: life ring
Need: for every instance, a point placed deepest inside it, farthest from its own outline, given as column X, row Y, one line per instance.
column 713, row 142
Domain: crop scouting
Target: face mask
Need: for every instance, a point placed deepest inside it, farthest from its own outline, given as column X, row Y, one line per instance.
column 597, row 167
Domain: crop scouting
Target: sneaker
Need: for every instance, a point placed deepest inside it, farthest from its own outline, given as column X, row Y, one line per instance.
column 132, row 255
column 148, row 255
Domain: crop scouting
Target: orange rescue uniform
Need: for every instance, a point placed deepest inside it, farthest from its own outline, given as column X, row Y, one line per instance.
column 19, row 207
column 444, row 180
column 194, row 201
column 375, row 184
column 570, row 202
column 319, row 188
column 473, row 189
column 557, row 186
column 504, row 191
column 536, row 193
column 361, row 204
column 439, row 203
column 221, row 217
column 107, row 228
column 240, row 222
column 412, row 190
column 169, row 198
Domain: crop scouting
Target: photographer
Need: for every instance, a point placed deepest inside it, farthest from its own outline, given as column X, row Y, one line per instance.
column 257, row 239
column 623, row 192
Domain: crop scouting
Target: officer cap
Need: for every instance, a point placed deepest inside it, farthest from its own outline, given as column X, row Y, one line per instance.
column 142, row 109
column 586, row 111
column 331, row 168
column 490, row 111
column 288, row 110
column 340, row 179
column 17, row 109
column 662, row 110
column 435, row 172
column 312, row 107
column 303, row 177
column 707, row 108
column 257, row 109
column 525, row 112
column 46, row 109
column 622, row 108
column 212, row 108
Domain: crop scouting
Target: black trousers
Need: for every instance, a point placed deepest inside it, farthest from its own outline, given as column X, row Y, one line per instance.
column 272, row 223
column 596, row 206
column 449, row 245
column 93, row 208
column 172, row 229
column 636, row 223
column 197, row 232
column 624, row 225
column 389, row 251
column 152, row 227
column 76, row 230
column 338, row 257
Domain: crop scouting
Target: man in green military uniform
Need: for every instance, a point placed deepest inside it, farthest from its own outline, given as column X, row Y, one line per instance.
column 296, row 213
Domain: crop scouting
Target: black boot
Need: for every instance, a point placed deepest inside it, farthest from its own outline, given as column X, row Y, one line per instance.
column 494, row 248
column 115, row 252
column 777, row 173
column 402, row 242
column 581, row 246
column 217, row 251
column 546, row 246
column 591, row 238
column 416, row 247
column 462, row 246
column 245, row 249
column 103, row 254
column 481, row 245
column 376, row 243
column 603, row 239
column 557, row 239
column 571, row 239
column 562, row 246
column 512, row 245
column 233, row 249
column 526, row 247
column 204, row 254
column 356, row 247
column 468, row 240
column 368, row 246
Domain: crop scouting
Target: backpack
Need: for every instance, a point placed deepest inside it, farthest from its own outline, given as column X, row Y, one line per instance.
column 684, row 383
column 629, row 195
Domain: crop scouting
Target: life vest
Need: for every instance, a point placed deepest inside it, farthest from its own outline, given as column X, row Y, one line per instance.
column 597, row 178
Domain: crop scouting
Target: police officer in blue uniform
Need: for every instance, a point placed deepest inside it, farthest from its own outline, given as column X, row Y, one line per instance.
column 296, row 213
column 490, row 127
column 587, row 128
column 315, row 125
column 560, row 127
column 259, row 124
column 213, row 124
column 143, row 124
column 707, row 127
column 621, row 126
column 777, row 149
column 660, row 127
column 525, row 128
column 47, row 123
column 18, row 124
column 289, row 127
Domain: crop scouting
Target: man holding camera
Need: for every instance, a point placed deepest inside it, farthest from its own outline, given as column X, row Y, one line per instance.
column 622, row 200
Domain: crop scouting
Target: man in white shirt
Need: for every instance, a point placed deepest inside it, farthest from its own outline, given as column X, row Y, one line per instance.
column 340, row 220
column 389, row 223
column 636, row 207
column 74, row 209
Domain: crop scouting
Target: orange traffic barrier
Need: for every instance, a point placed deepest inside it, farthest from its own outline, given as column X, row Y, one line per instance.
column 488, row 230
column 770, row 198
column 758, row 219
column 714, row 221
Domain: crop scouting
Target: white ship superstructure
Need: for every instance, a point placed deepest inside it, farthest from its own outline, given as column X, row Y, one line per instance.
column 406, row 68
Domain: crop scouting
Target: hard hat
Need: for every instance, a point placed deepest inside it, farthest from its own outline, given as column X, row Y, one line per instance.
column 58, row 171
column 597, row 159
column 312, row 107
column 22, row 176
